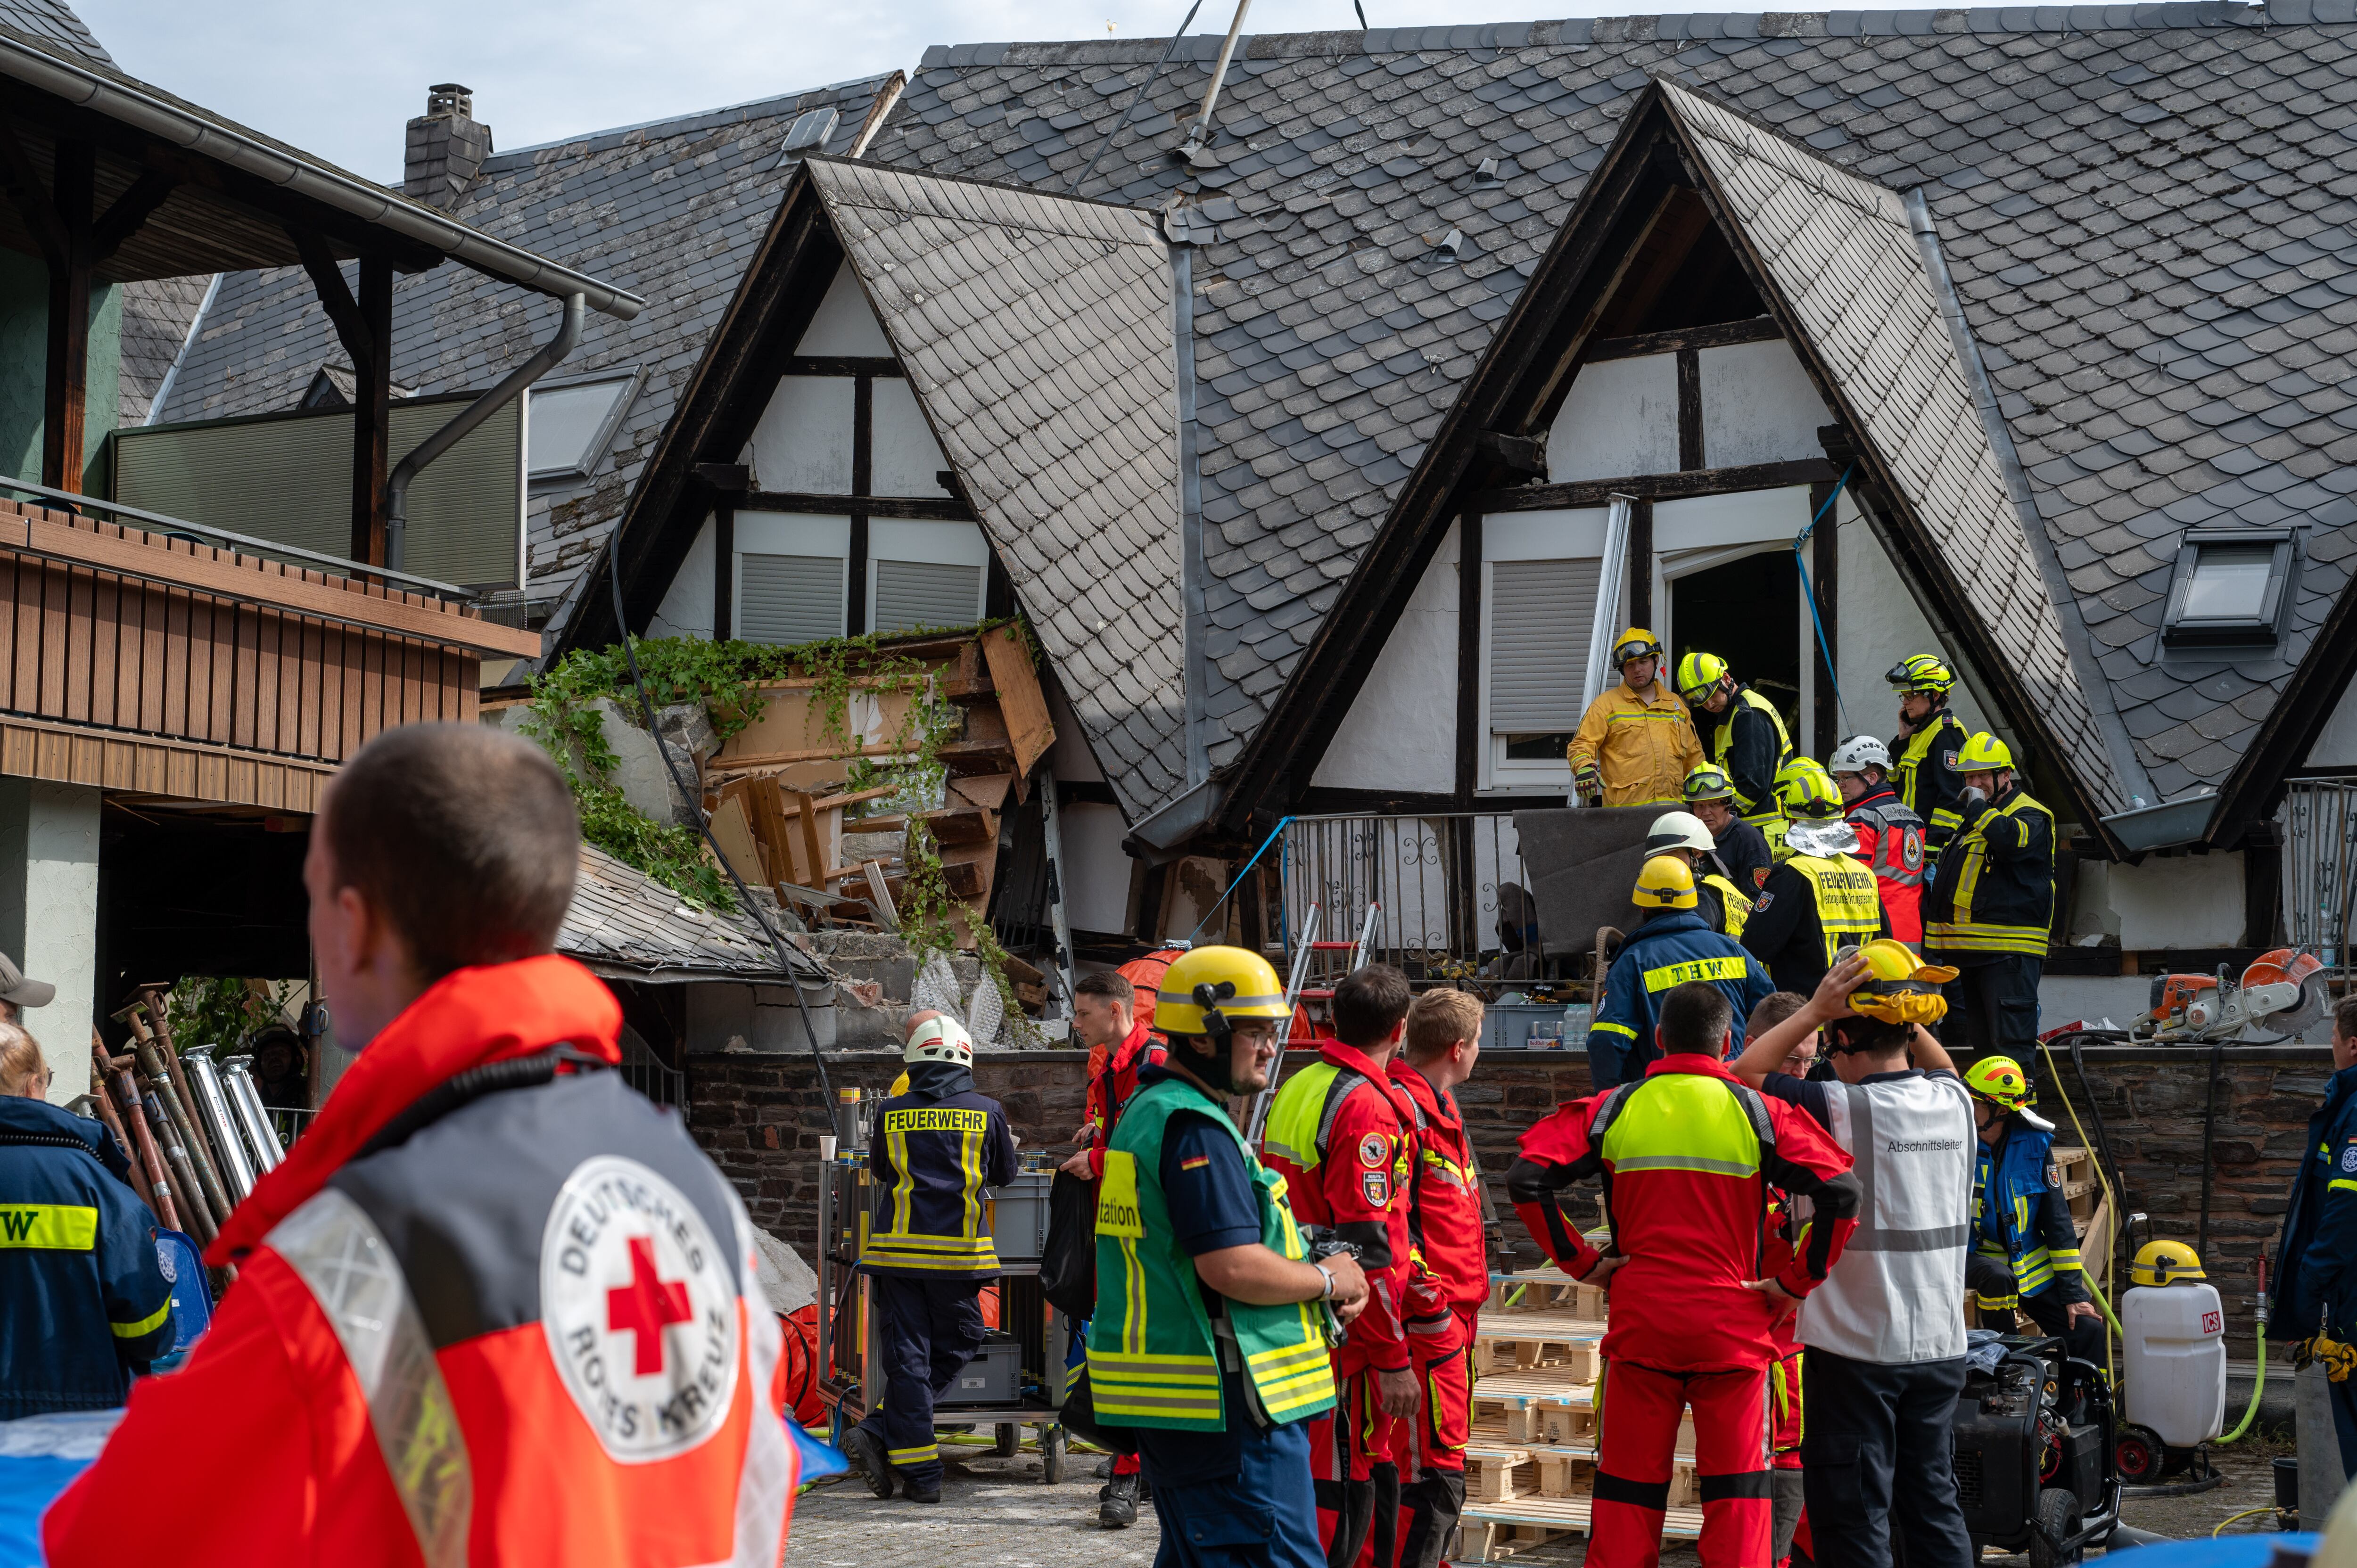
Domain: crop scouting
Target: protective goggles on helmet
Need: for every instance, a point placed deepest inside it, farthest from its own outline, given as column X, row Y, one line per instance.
column 1922, row 672
column 1698, row 672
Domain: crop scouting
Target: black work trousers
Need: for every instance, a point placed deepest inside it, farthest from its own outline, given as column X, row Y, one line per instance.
column 1875, row 1432
column 2083, row 1339
column 1992, row 1003
column 930, row 1329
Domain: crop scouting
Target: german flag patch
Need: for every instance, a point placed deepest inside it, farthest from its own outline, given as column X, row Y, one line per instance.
column 1194, row 1162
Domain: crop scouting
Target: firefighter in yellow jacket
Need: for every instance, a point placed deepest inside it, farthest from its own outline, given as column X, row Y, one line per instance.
column 1637, row 742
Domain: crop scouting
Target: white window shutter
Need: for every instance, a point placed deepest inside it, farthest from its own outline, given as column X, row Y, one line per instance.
column 911, row 594
column 1540, row 615
column 787, row 599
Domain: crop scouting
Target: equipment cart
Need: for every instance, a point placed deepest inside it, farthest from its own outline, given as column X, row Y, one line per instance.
column 1016, row 1380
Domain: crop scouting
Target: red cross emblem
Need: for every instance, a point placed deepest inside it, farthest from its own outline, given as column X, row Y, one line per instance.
column 645, row 1308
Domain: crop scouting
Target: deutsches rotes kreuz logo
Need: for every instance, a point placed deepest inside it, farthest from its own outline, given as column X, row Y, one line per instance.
column 640, row 1306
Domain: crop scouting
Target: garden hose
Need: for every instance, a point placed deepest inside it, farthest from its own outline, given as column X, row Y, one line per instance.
column 2111, row 1206
column 2260, row 1386
column 2246, row 1513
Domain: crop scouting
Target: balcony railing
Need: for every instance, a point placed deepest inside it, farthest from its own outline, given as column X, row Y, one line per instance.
column 1451, row 897
column 2319, row 859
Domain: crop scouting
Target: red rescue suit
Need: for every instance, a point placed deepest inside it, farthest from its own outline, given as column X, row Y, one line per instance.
column 1890, row 841
column 1688, row 1155
column 1349, row 1170
column 1113, row 1084
column 1445, row 1296
column 339, row 1412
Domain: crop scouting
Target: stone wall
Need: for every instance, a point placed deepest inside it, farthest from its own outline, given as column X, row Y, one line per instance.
column 761, row 1117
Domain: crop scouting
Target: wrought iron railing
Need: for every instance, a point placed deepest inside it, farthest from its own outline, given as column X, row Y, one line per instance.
column 1451, row 895
column 2319, row 859
column 650, row 1074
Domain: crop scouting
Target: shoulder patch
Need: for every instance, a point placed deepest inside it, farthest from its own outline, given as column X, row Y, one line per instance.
column 2054, row 1175
column 1375, row 1151
column 1377, row 1186
column 1948, row 760
column 2349, row 1158
column 1765, row 898
column 1194, row 1162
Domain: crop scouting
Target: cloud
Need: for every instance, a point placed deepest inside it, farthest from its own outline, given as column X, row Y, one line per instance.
column 341, row 80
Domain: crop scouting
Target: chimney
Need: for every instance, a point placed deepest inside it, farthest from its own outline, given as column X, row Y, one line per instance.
column 446, row 147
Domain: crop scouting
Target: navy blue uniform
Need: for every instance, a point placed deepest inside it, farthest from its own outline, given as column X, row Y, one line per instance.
column 1665, row 952
column 1240, row 1497
column 83, row 1304
column 2316, row 1290
column 929, row 1250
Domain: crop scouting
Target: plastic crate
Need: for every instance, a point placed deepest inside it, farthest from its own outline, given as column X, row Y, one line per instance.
column 994, row 1375
column 1018, row 1216
column 1535, row 1026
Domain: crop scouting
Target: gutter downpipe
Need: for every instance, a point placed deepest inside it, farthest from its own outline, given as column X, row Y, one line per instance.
column 396, row 488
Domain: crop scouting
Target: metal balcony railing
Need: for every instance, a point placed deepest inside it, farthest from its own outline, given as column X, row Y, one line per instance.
column 1453, row 899
column 2319, row 858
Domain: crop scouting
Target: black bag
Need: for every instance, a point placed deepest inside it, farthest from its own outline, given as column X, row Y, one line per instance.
column 1078, row 1416
column 1068, row 1264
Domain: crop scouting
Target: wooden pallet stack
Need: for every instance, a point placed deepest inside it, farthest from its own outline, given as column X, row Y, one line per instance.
column 1530, row 1469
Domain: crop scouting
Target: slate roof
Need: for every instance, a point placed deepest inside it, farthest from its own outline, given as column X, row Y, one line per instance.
column 1037, row 333
column 157, row 314
column 671, row 210
column 625, row 925
column 2143, row 209
column 1845, row 260
column 55, row 26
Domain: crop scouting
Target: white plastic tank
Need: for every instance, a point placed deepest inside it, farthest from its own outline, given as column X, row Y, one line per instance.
column 2175, row 1360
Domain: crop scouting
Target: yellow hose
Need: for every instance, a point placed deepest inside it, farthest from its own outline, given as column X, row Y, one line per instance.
column 2232, row 1518
column 2257, row 1388
column 2111, row 1206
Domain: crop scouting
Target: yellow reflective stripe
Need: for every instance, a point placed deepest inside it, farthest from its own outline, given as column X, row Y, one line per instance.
column 920, row 1243
column 1957, row 937
column 1682, row 1122
column 970, row 1168
column 147, row 1325
column 1686, row 1163
column 48, row 1227
column 895, row 1145
column 1607, row 1028
column 1658, row 715
column 1684, row 970
column 2341, row 1184
column 913, row 1456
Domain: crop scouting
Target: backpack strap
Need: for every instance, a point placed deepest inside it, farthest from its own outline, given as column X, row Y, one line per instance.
column 1345, row 1080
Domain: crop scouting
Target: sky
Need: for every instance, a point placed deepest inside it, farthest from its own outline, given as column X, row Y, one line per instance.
column 341, row 80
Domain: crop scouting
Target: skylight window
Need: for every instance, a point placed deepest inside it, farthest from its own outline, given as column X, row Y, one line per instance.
column 572, row 425
column 2229, row 588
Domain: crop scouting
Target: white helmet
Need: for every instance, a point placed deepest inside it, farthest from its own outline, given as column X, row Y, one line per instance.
column 1678, row 830
column 1858, row 753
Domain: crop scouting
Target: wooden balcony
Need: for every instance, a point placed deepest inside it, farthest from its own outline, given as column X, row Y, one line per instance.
column 148, row 664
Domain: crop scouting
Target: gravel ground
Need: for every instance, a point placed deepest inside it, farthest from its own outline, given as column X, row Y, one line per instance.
column 996, row 1513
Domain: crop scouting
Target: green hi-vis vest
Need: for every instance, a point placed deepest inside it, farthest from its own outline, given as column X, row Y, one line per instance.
column 1761, row 812
column 1734, row 903
column 1154, row 1350
column 1772, row 828
column 1850, row 902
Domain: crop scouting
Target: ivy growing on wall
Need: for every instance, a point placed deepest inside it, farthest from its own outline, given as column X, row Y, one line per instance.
column 724, row 679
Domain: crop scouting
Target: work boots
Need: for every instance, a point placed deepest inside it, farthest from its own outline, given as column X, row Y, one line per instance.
column 1117, row 1502
column 867, row 1455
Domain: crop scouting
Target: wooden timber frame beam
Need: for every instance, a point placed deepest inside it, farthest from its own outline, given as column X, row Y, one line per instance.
column 364, row 326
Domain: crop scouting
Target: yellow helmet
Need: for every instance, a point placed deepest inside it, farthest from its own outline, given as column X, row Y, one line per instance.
column 1698, row 672
column 1983, row 753
column 1635, row 643
column 1666, row 882
column 1709, row 782
column 1922, row 672
column 2165, row 1263
column 1807, row 792
column 1900, row 988
column 2000, row 1082
column 1242, row 985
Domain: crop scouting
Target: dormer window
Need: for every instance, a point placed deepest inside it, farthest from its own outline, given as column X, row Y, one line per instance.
column 573, row 423
column 2231, row 588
